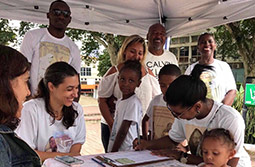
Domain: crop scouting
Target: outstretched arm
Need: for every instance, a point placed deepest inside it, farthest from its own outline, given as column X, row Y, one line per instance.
column 145, row 127
column 121, row 135
column 105, row 111
column 229, row 97
column 74, row 151
column 161, row 143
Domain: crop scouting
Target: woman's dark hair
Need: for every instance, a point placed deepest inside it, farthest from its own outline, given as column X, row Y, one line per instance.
column 12, row 65
column 134, row 65
column 221, row 134
column 186, row 90
column 170, row 69
column 56, row 73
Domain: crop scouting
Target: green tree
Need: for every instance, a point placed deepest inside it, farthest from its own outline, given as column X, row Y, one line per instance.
column 236, row 40
column 91, row 42
column 7, row 33
column 104, row 63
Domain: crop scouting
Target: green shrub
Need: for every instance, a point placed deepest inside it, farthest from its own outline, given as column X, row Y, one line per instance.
column 250, row 115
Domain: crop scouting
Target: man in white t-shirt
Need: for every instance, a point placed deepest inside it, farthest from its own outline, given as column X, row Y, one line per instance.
column 157, row 57
column 44, row 46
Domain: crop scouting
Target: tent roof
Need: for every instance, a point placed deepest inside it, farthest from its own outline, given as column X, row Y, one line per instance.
column 127, row 17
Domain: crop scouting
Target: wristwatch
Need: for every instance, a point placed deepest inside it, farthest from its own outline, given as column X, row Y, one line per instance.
column 184, row 158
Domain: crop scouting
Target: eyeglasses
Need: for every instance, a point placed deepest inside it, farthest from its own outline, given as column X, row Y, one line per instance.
column 178, row 116
column 58, row 12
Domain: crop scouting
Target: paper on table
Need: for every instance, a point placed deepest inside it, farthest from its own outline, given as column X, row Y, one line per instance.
column 133, row 157
column 169, row 163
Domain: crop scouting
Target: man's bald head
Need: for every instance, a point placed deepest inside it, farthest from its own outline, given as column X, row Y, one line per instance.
column 156, row 38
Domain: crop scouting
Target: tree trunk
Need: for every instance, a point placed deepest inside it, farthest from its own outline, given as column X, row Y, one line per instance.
column 112, row 50
column 108, row 43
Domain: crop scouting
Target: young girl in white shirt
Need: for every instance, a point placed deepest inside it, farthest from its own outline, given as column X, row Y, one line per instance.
column 218, row 147
column 128, row 108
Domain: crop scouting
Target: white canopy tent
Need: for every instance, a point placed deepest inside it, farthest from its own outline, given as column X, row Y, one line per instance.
column 127, row 17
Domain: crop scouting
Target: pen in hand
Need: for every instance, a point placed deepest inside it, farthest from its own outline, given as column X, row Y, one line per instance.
column 98, row 162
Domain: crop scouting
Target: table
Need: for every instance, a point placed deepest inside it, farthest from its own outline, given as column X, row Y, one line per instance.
column 138, row 156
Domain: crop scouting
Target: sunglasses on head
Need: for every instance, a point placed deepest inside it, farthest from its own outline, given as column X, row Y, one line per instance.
column 58, row 12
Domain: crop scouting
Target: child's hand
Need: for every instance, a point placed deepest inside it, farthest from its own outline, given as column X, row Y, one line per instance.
column 142, row 146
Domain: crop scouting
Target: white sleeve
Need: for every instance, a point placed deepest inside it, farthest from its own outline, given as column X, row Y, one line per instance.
column 133, row 112
column 149, row 111
column 76, row 59
column 28, row 128
column 188, row 71
column 236, row 127
column 107, row 84
column 81, row 126
column 177, row 132
column 155, row 86
column 175, row 60
column 229, row 78
column 27, row 46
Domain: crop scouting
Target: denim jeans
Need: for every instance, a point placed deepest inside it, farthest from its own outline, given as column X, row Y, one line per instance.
column 105, row 135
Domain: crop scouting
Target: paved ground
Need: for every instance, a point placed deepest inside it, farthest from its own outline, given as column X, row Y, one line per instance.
column 93, row 144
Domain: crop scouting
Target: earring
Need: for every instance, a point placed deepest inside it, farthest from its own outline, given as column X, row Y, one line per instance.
column 198, row 112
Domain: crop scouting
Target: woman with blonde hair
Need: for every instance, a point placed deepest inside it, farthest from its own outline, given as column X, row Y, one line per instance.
column 133, row 48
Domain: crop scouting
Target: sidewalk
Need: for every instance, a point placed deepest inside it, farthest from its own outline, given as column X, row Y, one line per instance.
column 93, row 144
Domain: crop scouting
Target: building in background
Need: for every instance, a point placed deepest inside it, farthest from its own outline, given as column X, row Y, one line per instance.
column 185, row 50
column 89, row 79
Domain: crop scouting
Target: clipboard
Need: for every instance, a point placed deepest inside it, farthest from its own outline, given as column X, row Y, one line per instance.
column 130, row 158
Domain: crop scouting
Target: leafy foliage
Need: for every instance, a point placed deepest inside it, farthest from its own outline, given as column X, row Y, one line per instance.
column 104, row 63
column 226, row 45
column 25, row 27
column 237, row 40
column 250, row 121
column 250, row 126
column 7, row 34
column 238, row 103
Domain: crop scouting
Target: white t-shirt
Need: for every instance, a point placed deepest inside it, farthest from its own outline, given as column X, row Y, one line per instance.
column 155, row 63
column 202, row 165
column 37, row 130
column 148, row 88
column 218, row 81
column 42, row 49
column 156, row 101
column 131, row 110
column 226, row 117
